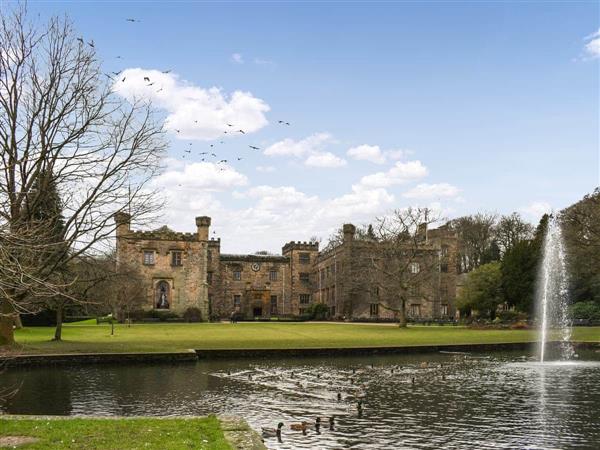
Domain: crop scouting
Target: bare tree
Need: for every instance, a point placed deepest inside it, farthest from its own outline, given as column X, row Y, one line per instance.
column 60, row 116
column 391, row 262
column 511, row 230
column 123, row 293
column 476, row 240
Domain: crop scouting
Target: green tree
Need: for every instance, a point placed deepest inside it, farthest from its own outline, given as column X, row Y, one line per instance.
column 482, row 290
column 520, row 267
column 519, row 273
column 581, row 229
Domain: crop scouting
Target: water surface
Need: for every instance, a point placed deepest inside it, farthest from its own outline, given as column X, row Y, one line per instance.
column 443, row 400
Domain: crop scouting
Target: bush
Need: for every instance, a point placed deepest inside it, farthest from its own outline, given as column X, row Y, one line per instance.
column 585, row 310
column 511, row 316
column 316, row 311
column 192, row 314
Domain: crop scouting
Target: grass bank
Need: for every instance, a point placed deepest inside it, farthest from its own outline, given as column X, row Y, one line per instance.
column 178, row 337
column 113, row 433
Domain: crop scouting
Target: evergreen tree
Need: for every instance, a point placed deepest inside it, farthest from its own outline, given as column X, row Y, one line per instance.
column 520, row 267
column 47, row 211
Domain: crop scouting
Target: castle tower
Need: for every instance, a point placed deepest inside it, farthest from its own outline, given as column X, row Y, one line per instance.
column 203, row 226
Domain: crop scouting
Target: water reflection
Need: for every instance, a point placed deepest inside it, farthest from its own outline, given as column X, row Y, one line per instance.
column 416, row 401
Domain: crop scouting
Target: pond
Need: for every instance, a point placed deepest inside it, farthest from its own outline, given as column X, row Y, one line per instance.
column 441, row 400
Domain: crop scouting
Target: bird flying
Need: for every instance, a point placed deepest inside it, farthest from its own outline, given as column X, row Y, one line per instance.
column 253, row 147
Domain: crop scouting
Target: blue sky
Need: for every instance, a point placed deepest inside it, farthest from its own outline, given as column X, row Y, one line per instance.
column 498, row 102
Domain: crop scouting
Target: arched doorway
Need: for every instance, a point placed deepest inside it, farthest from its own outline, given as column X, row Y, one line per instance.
column 163, row 295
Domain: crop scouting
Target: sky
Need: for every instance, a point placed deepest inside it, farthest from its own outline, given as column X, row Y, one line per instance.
column 356, row 108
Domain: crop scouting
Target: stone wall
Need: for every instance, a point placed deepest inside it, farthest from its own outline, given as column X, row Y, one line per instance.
column 251, row 285
column 268, row 285
column 186, row 285
column 303, row 258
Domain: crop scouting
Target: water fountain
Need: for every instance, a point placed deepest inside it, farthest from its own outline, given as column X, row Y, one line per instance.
column 553, row 292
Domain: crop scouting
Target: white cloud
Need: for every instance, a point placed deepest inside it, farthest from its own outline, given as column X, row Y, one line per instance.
column 592, row 46
column 310, row 149
column 265, row 169
column 430, row 191
column 289, row 147
column 374, row 154
column 326, row 159
column 199, row 176
column 193, row 112
column 535, row 210
column 237, row 58
column 367, row 153
column 400, row 173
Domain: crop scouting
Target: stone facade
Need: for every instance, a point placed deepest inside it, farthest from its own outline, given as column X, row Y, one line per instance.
column 348, row 285
column 173, row 264
column 185, row 270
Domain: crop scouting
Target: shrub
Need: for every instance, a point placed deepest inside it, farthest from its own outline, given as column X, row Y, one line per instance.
column 192, row 314
column 585, row 310
column 511, row 316
column 317, row 311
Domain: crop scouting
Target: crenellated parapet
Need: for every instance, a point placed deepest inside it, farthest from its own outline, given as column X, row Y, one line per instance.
column 302, row 246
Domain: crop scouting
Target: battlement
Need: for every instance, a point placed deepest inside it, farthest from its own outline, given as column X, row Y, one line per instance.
column 305, row 246
column 162, row 234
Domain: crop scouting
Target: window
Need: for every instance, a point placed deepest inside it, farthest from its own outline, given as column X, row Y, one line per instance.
column 328, row 271
column 273, row 304
column 304, row 277
column 444, row 292
column 273, row 275
column 333, row 294
column 374, row 309
column 414, row 267
column 148, row 257
column 444, row 310
column 209, row 256
column 209, row 277
column 176, row 259
column 444, row 267
column 237, row 275
column 415, row 310
column 304, row 258
column 414, row 290
column 304, row 299
column 237, row 301
column 444, row 250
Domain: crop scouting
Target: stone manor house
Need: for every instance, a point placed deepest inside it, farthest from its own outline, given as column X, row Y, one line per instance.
column 184, row 270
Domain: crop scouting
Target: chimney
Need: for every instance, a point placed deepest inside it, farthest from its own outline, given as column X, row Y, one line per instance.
column 203, row 224
column 349, row 231
column 123, row 221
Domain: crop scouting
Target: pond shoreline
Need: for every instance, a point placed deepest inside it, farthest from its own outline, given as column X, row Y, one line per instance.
column 192, row 356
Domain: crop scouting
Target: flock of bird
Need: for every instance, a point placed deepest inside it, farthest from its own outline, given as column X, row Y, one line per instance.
column 150, row 83
column 355, row 392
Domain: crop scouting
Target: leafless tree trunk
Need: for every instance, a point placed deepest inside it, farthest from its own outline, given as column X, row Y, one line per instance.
column 60, row 116
column 404, row 262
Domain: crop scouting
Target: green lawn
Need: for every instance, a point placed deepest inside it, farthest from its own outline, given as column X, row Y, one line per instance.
column 117, row 433
column 176, row 337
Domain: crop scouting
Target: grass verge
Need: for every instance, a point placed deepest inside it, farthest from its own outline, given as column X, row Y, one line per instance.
column 117, row 433
column 179, row 337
